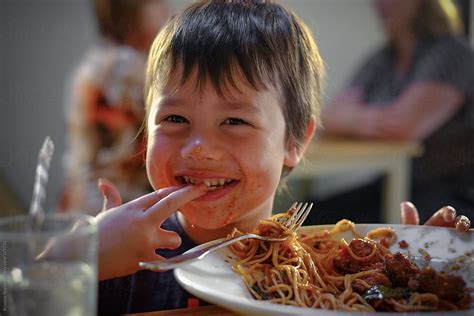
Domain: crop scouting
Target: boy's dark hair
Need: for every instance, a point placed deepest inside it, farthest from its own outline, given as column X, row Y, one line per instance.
column 116, row 19
column 265, row 42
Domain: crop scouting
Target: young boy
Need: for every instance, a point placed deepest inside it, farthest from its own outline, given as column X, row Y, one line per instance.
column 233, row 91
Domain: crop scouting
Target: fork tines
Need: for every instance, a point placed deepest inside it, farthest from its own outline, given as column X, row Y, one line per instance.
column 299, row 213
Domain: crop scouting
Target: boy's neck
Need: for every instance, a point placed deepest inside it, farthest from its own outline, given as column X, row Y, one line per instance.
column 201, row 235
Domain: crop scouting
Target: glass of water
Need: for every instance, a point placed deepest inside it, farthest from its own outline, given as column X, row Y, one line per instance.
column 50, row 269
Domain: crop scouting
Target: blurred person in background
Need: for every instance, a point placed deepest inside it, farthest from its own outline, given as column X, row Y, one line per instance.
column 105, row 105
column 418, row 87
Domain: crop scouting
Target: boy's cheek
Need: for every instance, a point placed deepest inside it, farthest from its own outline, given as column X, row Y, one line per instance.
column 156, row 162
column 155, row 175
column 158, row 182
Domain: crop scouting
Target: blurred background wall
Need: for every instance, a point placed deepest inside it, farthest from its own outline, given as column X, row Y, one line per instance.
column 42, row 40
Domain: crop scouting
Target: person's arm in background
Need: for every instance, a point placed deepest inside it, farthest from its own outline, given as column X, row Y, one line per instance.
column 414, row 115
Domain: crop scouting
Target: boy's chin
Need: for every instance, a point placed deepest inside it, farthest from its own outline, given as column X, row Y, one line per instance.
column 204, row 222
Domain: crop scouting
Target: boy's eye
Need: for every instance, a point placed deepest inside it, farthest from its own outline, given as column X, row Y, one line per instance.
column 176, row 119
column 234, row 121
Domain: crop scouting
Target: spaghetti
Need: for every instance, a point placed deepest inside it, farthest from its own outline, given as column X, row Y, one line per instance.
column 318, row 271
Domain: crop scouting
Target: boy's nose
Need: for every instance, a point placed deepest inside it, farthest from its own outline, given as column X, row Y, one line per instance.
column 199, row 150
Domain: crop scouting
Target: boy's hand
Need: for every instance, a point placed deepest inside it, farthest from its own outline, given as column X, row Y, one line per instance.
column 130, row 232
column 445, row 216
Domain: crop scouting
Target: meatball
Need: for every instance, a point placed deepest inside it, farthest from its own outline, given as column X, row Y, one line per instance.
column 448, row 287
column 345, row 263
column 400, row 270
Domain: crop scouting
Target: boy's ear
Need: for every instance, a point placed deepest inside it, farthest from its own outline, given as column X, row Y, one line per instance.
column 294, row 154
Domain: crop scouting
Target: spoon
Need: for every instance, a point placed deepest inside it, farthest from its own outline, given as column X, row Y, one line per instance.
column 36, row 212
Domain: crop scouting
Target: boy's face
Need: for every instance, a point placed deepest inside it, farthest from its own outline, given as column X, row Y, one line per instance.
column 235, row 144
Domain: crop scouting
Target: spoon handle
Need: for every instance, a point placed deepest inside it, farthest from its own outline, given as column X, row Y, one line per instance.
column 41, row 179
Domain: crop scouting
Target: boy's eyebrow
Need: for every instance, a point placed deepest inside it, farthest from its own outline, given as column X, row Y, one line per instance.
column 247, row 107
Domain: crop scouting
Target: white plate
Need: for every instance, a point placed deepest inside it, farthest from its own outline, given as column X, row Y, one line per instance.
column 213, row 280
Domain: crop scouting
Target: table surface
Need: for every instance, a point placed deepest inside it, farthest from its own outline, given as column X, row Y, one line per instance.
column 331, row 156
column 325, row 151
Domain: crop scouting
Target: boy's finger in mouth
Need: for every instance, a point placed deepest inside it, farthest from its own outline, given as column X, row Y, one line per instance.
column 165, row 207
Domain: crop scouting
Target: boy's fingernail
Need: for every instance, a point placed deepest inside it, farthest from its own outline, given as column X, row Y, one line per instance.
column 408, row 204
column 203, row 187
column 450, row 215
column 464, row 219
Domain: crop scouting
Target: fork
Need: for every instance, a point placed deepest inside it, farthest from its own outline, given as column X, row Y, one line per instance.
column 297, row 214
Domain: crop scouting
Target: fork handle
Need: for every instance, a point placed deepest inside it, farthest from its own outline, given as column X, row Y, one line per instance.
column 162, row 265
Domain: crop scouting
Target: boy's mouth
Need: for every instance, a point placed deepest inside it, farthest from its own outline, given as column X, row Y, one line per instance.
column 211, row 183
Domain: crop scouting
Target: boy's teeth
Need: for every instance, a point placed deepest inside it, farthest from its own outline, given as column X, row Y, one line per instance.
column 211, row 183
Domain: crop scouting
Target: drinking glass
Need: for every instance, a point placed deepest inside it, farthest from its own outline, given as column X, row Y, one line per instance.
column 48, row 268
